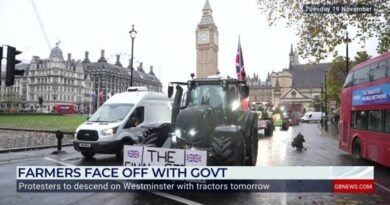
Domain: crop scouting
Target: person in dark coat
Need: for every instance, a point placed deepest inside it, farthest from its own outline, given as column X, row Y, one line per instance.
column 298, row 142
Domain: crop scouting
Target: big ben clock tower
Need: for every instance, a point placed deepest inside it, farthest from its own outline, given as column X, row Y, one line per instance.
column 206, row 44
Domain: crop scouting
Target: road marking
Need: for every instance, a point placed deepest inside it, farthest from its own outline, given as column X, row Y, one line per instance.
column 59, row 162
column 165, row 195
column 70, row 158
column 383, row 187
column 176, row 198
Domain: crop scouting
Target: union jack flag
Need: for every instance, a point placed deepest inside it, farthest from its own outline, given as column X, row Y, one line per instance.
column 133, row 154
column 193, row 158
column 240, row 70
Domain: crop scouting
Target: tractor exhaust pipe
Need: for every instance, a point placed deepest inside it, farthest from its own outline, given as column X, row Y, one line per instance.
column 176, row 104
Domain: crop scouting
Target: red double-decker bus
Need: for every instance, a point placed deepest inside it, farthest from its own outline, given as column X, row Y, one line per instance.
column 64, row 108
column 365, row 110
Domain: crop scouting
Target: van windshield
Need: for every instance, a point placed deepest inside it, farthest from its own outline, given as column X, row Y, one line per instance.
column 111, row 112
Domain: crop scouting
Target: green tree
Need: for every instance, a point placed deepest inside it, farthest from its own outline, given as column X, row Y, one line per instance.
column 12, row 99
column 321, row 33
column 338, row 72
column 361, row 56
column 335, row 79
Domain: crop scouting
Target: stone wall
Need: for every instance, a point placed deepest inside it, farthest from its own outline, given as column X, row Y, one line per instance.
column 24, row 138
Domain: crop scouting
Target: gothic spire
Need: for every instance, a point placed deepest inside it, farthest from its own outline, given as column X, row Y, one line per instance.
column 277, row 86
column 207, row 11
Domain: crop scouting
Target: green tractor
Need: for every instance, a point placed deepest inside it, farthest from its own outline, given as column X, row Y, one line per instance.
column 265, row 122
column 209, row 117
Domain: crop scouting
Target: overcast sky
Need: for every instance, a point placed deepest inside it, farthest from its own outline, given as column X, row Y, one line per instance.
column 166, row 33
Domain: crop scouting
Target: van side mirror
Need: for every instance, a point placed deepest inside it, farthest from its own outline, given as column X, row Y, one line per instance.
column 244, row 91
column 170, row 91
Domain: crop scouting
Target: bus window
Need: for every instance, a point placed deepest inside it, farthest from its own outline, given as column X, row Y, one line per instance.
column 375, row 122
column 353, row 119
column 361, row 76
column 378, row 71
column 361, row 120
column 387, row 121
column 348, row 80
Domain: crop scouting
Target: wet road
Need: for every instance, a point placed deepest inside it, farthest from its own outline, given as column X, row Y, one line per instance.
column 322, row 150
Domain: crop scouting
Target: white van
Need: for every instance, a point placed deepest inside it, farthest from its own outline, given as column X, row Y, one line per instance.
column 312, row 117
column 119, row 121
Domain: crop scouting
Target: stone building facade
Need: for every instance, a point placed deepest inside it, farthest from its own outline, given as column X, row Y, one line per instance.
column 56, row 80
column 12, row 98
column 109, row 79
column 84, row 84
column 299, row 86
column 259, row 91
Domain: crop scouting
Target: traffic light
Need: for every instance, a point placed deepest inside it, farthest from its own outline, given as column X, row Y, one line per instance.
column 10, row 68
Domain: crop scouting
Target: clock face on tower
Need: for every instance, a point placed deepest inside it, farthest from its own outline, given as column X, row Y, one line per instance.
column 203, row 37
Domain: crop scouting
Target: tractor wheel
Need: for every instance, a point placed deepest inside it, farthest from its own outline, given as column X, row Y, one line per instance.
column 119, row 154
column 228, row 151
column 88, row 155
column 252, row 159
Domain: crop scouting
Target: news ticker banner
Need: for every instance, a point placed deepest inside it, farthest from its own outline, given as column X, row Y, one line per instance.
column 167, row 178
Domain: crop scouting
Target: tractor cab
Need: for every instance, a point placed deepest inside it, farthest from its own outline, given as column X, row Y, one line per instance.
column 209, row 117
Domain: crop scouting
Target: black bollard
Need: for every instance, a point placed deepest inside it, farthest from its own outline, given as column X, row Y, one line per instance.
column 59, row 135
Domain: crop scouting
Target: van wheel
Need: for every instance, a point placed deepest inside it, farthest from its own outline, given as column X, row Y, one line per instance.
column 88, row 155
column 119, row 154
column 356, row 149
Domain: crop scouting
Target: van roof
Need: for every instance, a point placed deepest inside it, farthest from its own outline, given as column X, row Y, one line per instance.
column 136, row 97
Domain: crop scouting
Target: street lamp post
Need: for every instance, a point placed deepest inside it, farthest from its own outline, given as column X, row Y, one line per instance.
column 54, row 98
column 326, row 105
column 322, row 105
column 132, row 36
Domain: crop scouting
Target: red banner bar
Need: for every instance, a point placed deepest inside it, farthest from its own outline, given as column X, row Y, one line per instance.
column 353, row 185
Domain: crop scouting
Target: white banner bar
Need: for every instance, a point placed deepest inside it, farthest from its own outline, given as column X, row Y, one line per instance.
column 195, row 173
